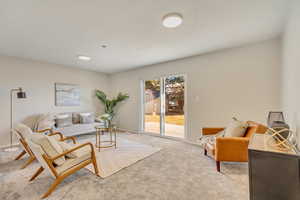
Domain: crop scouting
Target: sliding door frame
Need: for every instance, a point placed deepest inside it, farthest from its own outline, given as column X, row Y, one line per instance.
column 162, row 106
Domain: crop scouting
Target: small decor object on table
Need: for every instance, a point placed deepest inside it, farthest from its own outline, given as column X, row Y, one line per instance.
column 276, row 122
column 107, row 118
column 112, row 142
column 275, row 139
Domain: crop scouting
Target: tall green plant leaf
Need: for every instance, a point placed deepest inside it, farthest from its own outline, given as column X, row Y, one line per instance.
column 110, row 104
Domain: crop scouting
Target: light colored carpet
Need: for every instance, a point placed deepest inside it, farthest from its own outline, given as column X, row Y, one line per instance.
column 111, row 160
column 179, row 171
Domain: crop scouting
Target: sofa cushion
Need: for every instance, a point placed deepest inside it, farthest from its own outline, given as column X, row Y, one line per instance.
column 63, row 120
column 77, row 129
column 44, row 121
column 236, row 128
column 50, row 146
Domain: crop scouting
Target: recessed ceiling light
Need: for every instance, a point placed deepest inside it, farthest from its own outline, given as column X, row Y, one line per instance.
column 86, row 58
column 172, row 20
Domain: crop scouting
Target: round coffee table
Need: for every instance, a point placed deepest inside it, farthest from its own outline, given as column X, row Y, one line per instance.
column 100, row 143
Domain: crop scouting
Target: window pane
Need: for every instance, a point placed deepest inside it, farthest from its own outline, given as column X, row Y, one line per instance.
column 152, row 106
column 174, row 106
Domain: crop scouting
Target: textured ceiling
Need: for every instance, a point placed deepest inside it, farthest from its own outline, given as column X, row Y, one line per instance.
column 56, row 31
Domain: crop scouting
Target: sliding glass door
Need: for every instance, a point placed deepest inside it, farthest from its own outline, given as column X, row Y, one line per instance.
column 152, row 104
column 164, row 106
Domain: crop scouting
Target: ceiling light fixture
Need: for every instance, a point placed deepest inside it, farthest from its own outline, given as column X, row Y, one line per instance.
column 85, row 58
column 103, row 46
column 172, row 20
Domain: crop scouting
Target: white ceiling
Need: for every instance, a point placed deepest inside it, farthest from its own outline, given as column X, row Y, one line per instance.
column 56, row 31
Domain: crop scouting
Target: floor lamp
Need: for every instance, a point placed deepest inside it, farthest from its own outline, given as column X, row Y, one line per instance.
column 20, row 95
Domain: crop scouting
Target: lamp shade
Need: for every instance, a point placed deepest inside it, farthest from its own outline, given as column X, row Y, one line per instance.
column 21, row 95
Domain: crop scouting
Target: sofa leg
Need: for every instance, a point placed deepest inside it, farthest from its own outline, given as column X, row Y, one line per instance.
column 218, row 164
column 205, row 152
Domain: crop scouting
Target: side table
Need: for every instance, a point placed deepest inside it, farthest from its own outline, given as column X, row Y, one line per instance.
column 112, row 142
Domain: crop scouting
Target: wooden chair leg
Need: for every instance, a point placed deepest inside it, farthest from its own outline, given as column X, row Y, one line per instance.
column 95, row 165
column 38, row 172
column 20, row 155
column 52, row 187
column 28, row 162
column 218, row 164
column 205, row 152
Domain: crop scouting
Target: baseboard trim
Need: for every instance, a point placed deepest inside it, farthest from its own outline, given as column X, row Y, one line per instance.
column 129, row 131
column 8, row 145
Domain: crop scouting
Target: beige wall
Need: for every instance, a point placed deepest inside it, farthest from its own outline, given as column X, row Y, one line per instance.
column 291, row 68
column 242, row 82
column 38, row 80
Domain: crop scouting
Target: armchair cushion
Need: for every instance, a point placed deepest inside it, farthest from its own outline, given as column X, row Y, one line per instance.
column 50, row 146
column 72, row 162
column 23, row 130
column 56, row 137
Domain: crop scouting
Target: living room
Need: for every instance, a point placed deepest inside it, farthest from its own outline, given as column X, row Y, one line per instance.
column 147, row 90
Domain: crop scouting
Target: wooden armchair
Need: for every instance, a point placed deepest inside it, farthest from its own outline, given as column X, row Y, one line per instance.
column 86, row 155
column 22, row 132
column 231, row 149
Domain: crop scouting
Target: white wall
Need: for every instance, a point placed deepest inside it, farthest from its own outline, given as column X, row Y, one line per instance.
column 242, row 82
column 291, row 68
column 38, row 80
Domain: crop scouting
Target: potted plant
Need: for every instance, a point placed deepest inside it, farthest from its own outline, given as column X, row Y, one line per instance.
column 109, row 105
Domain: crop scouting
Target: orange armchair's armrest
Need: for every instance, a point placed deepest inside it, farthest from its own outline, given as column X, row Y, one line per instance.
column 211, row 130
column 233, row 149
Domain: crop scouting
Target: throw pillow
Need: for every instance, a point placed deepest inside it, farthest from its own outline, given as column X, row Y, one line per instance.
column 211, row 139
column 236, row 128
column 76, row 117
column 87, row 118
column 63, row 120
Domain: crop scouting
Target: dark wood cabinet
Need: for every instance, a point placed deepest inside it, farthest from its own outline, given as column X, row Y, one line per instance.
column 273, row 175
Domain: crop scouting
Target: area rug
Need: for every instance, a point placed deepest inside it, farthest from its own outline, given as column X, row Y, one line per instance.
column 111, row 160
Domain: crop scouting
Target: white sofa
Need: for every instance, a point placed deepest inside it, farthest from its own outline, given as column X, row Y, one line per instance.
column 71, row 126
column 78, row 129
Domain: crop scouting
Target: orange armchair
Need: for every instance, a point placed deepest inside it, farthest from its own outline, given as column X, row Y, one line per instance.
column 231, row 149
